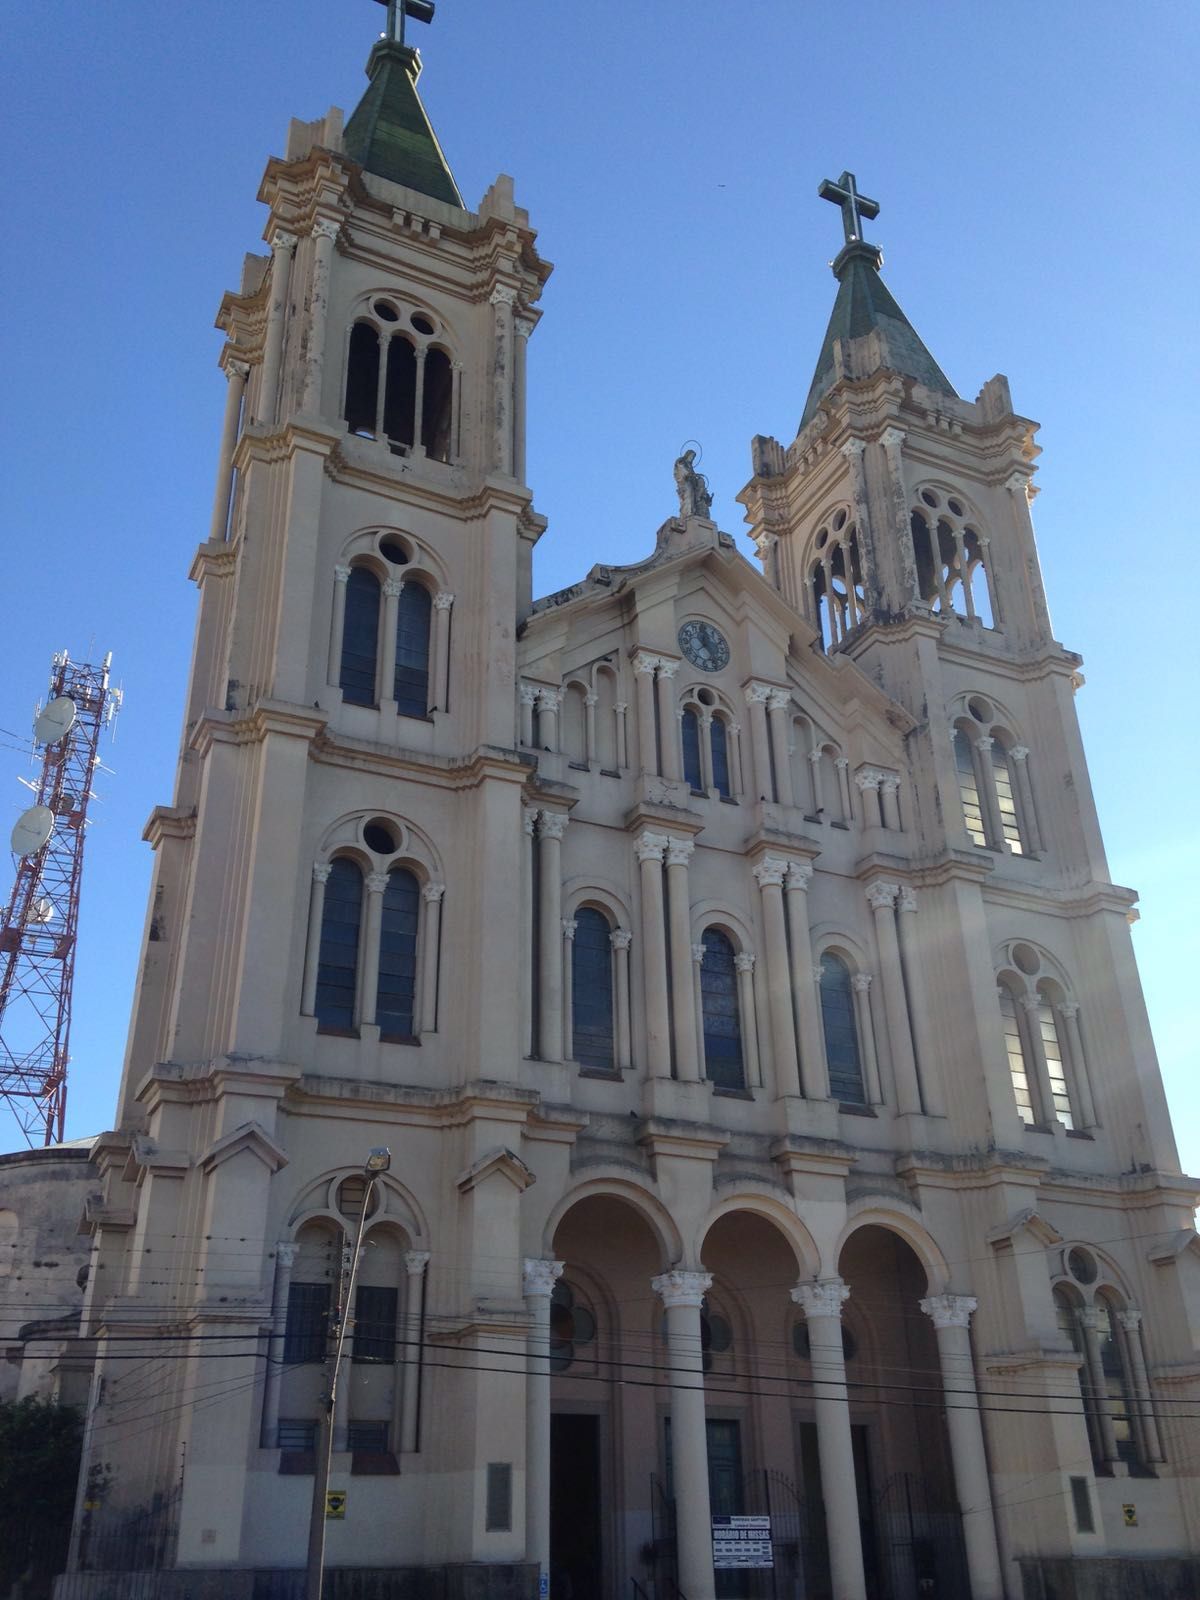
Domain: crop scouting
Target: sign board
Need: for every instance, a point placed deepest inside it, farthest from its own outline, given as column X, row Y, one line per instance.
column 335, row 1505
column 742, row 1542
column 1130, row 1514
column 544, row 1585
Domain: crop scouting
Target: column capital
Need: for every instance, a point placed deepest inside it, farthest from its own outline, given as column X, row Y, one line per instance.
column 650, row 846
column 591, row 698
column 524, row 325
column 679, row 851
column 621, row 707
column 1018, row 752
column 908, row 899
column 706, row 718
column 841, row 762
column 892, row 438
column 643, row 661
column 376, row 882
column 984, row 743
column 757, row 693
column 771, row 871
column 823, row 1299
column 528, row 693
column 950, row 1310
column 814, row 756
column 569, row 927
column 860, row 982
column 698, row 954
column 236, row 369
column 817, row 975
column 393, row 588
column 415, row 1262
column 679, row 1288
column 321, row 871
column 433, row 892
column 764, row 543
column 549, row 699
column 779, row 699
column 529, row 816
column 1030, row 1002
column 538, row 1277
column 341, row 574
column 744, row 961
column 1069, row 1009
column 503, row 295
column 1017, row 482
column 620, row 938
column 799, row 874
column 868, row 778
column 889, row 782
column 1092, row 1318
column 552, row 824
column 882, row 896
column 443, row 600
column 285, row 1252
column 1130, row 1319
column 667, row 668
column 326, row 228
column 282, row 241
column 853, row 448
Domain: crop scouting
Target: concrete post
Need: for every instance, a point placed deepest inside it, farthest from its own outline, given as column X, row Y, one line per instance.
column 1031, row 1005
column 431, row 938
column 757, row 695
column 1090, row 1322
column 688, row 1066
column 682, row 1294
column 670, row 751
column 1030, row 832
column 415, row 1263
column 889, row 801
column 770, row 873
column 569, row 928
column 644, row 669
column 440, row 695
column 393, row 588
column 814, row 1073
column 868, row 782
column 369, row 954
column 649, row 849
column 621, row 939
column 312, row 950
column 527, row 696
column 1068, row 1010
column 282, row 246
column 529, row 818
column 951, row 1314
column 548, row 702
column 337, row 626
column 539, row 1280
column 551, row 827
column 744, row 963
column 522, row 327
column 779, row 704
column 860, row 982
column 882, row 899
column 236, row 373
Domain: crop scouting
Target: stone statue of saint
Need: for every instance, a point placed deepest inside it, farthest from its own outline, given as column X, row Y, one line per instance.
column 695, row 497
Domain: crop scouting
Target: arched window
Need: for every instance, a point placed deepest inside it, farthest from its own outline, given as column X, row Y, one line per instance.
column 435, row 405
column 841, row 1033
column 723, row 1061
column 410, row 687
column 400, row 392
column 337, row 969
column 1056, row 1069
column 1006, row 800
column 592, row 990
column 951, row 560
column 1018, row 1069
column 1116, row 1381
column 360, row 637
column 362, row 379
column 836, row 580
column 690, row 731
column 720, row 758
column 395, row 1011
column 1066, row 1316
column 968, row 788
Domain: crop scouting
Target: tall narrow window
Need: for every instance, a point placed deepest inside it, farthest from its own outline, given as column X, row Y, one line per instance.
column 1005, row 796
column 720, row 758
column 360, row 637
column 723, row 1063
column 400, row 392
column 1017, row 1069
column 307, row 1327
column 410, row 687
column 374, row 1323
column 841, row 1034
column 968, row 788
column 592, row 990
column 435, row 405
column 690, row 731
column 362, row 379
column 337, row 966
column 1055, row 1068
column 398, row 955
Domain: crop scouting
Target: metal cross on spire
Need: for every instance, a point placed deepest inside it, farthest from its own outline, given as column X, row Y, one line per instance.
column 854, row 206
column 398, row 10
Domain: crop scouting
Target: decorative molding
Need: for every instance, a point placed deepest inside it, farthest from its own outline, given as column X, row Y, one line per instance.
column 552, row 824
column 326, row 228
column 799, row 874
column 679, row 851
column 779, row 700
column 744, row 961
column 860, row 982
column 650, row 846
column 950, row 1310
column 502, row 1161
column 771, row 871
column 908, row 899
column 282, row 240
column 679, row 1288
column 376, row 882
column 824, row 1299
column 757, row 693
column 549, row 699
column 1130, row 1319
column 341, row 574
column 415, row 1262
column 698, row 954
column 852, row 449
column 503, row 295
column 892, row 438
column 251, row 1136
column 1018, row 751
column 393, row 588
column 321, row 871
column 433, row 892
column 882, row 896
column 443, row 600
column 538, row 1277
column 528, row 693
column 569, row 927
column 868, row 778
column 620, row 938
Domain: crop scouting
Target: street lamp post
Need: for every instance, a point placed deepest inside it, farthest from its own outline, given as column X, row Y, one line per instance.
column 378, row 1161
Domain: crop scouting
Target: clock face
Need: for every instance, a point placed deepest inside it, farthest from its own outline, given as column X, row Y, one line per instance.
column 705, row 646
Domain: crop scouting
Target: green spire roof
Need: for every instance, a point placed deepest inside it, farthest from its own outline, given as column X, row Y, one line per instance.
column 865, row 305
column 389, row 133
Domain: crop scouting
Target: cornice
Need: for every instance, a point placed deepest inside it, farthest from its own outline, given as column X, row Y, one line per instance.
column 485, row 763
column 255, row 724
column 411, row 1105
column 192, row 1083
column 695, row 1141
column 1086, row 901
column 169, row 822
column 982, row 1169
column 215, row 558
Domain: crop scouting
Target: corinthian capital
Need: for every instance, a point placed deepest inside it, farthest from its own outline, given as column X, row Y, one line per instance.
column 376, row 882
column 800, row 874
column 503, row 295
column 433, row 893
column 771, row 870
column 321, row 871
column 757, row 693
column 650, row 846
column 680, row 1288
column 326, row 228
column 853, row 448
column 744, row 961
column 282, row 242
column 620, row 938
column 779, row 700
column 868, row 778
column 552, row 824
column 539, row 1277
column 892, row 438
column 824, row 1299
column 679, row 852
column 882, row 896
column 908, row 900
column 949, row 1310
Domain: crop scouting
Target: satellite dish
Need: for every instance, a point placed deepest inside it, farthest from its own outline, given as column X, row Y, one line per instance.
column 31, row 830
column 43, row 910
column 55, row 721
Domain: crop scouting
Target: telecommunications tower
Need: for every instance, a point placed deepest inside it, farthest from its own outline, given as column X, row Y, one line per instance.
column 37, row 936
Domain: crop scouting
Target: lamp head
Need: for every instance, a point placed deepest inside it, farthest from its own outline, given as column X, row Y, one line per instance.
column 378, row 1160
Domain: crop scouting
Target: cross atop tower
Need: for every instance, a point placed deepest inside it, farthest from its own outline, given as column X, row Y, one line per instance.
column 398, row 10
column 854, row 206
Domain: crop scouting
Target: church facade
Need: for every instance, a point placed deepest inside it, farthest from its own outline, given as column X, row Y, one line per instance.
column 725, row 953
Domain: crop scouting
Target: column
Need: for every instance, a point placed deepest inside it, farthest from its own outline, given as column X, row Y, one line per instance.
column 1030, row 832
column 868, row 781
column 621, row 712
column 285, row 1259
column 819, row 797
column 822, row 1305
column 431, row 944
column 682, row 1294
column 1091, row 1320
column 529, row 818
column 282, row 245
column 737, row 786
column 770, row 873
column 456, row 371
column 928, row 1080
column 569, row 926
column 368, row 957
column 644, row 667
column 337, row 629
column 779, row 705
column 860, row 982
column 891, row 439
column 548, row 701
column 1068, row 1010
column 951, row 1314
column 1144, row 1419
column 551, row 827
column 649, row 849
column 393, row 588
column 670, row 751
column 527, row 696
column 236, row 373
column 706, row 762
column 440, row 698
column 814, row 1074
column 889, row 800
column 688, row 1066
column 312, row 950
column 325, row 232
column 503, row 298
column 539, row 1280
column 757, row 695
column 1031, row 1005
column 698, row 997
column 842, row 767
column 522, row 327
column 621, row 939
column 985, row 782
column 744, row 963
column 590, row 700
column 882, row 899
column 419, row 448
column 415, row 1263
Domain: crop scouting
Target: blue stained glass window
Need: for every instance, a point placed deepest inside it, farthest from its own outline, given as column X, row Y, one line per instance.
column 337, row 965
column 360, row 637
column 841, row 1034
column 411, row 684
column 398, row 955
column 722, row 1023
column 592, row 989
column 720, row 758
column 690, row 728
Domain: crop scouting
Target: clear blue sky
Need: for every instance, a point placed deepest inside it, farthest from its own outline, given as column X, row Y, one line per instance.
column 1036, row 165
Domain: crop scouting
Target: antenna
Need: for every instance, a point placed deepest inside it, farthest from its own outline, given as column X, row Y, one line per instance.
column 37, row 936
